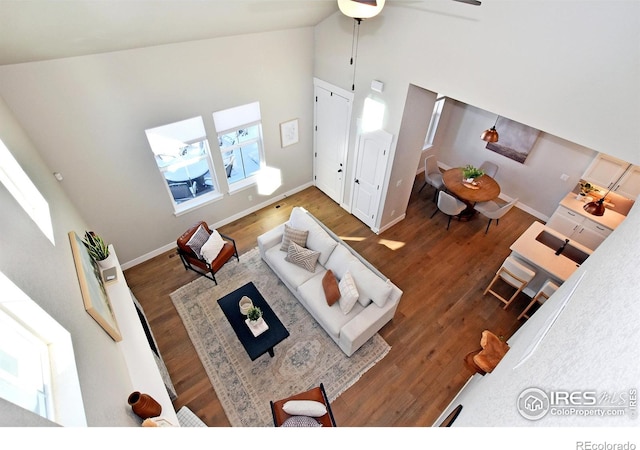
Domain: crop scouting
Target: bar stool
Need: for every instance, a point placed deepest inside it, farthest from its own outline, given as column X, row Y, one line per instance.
column 547, row 289
column 516, row 274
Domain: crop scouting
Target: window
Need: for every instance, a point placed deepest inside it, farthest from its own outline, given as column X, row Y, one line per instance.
column 37, row 364
column 240, row 140
column 435, row 120
column 24, row 368
column 25, row 192
column 182, row 154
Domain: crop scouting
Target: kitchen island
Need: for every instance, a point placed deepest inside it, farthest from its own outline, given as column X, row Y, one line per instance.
column 543, row 258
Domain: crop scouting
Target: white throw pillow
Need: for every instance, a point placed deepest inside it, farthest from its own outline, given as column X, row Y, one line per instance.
column 309, row 408
column 370, row 286
column 348, row 293
column 211, row 249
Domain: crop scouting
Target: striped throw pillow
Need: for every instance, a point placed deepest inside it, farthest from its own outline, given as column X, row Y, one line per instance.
column 302, row 257
column 198, row 239
column 293, row 235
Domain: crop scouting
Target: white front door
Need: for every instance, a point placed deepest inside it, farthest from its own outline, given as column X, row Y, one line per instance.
column 332, row 121
column 372, row 155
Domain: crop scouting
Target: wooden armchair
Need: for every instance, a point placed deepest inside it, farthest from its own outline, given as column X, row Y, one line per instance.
column 317, row 393
column 194, row 262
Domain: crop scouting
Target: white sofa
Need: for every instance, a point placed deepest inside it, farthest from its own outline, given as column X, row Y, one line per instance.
column 378, row 296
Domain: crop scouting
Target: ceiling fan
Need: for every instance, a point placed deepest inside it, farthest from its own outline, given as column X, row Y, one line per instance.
column 371, row 8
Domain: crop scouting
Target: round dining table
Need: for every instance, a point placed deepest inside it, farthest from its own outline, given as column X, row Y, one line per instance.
column 484, row 189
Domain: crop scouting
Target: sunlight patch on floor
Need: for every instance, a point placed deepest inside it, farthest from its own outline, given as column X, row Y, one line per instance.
column 392, row 245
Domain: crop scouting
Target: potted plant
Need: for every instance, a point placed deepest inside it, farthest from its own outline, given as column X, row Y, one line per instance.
column 98, row 249
column 254, row 314
column 586, row 188
column 470, row 173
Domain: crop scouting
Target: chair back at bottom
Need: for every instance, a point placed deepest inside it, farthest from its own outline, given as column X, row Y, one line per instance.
column 317, row 394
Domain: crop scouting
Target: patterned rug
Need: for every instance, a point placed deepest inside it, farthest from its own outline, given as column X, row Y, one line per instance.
column 303, row 360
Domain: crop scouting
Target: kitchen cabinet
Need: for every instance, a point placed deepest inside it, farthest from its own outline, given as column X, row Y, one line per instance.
column 578, row 228
column 605, row 170
column 629, row 185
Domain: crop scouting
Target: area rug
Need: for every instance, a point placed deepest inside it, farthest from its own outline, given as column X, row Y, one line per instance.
column 305, row 359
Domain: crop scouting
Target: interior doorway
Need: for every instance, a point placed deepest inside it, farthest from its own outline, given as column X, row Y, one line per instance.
column 332, row 124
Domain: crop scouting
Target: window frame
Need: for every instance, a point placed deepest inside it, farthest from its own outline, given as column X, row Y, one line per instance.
column 250, row 180
column 438, row 106
column 172, row 131
column 67, row 404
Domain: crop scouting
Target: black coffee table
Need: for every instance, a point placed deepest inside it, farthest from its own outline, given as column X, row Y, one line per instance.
column 254, row 345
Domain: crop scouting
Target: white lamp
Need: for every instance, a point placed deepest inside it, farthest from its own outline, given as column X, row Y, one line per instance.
column 360, row 9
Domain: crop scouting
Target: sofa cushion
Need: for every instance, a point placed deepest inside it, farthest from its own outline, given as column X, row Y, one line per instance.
column 371, row 287
column 295, row 235
column 303, row 257
column 348, row 293
column 330, row 318
column 317, row 239
column 340, row 260
column 290, row 273
column 330, row 287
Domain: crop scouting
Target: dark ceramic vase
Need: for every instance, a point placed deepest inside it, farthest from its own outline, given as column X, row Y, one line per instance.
column 144, row 405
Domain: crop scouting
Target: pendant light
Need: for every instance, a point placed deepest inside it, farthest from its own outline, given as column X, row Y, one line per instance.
column 490, row 135
column 358, row 10
column 596, row 208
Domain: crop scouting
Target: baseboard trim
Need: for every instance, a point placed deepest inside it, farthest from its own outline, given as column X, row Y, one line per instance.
column 172, row 245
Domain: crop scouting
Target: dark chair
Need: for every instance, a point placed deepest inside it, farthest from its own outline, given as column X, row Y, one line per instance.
column 193, row 262
column 180, row 191
column 317, row 394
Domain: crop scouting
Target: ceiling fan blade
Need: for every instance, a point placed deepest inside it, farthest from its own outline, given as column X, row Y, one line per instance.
column 470, row 2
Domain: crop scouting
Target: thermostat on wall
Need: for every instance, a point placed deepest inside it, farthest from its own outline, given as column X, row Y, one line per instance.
column 377, row 86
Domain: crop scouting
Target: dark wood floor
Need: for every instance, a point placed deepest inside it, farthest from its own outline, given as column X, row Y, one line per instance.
column 439, row 320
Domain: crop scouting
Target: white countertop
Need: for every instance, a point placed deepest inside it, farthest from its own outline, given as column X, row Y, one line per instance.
column 610, row 219
column 537, row 253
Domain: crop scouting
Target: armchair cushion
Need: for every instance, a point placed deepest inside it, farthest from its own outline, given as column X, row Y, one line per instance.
column 211, row 249
column 311, row 408
column 301, row 421
column 197, row 240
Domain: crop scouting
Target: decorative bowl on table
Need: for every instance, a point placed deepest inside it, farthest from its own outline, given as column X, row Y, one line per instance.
column 245, row 305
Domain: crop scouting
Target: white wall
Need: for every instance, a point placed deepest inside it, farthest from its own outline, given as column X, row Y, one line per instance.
column 46, row 273
column 561, row 67
column 87, row 117
column 536, row 183
column 593, row 345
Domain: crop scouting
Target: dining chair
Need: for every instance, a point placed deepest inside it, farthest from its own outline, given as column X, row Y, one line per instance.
column 547, row 289
column 449, row 205
column 491, row 210
column 432, row 175
column 489, row 168
column 516, row 274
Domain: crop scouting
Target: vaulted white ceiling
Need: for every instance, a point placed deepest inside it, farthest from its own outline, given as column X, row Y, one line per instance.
column 32, row 30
